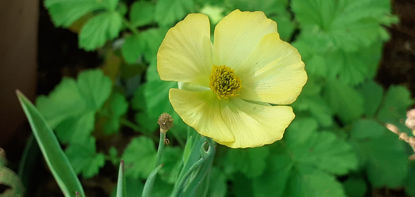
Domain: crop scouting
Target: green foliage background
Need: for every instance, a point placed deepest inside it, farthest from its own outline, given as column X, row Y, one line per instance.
column 337, row 145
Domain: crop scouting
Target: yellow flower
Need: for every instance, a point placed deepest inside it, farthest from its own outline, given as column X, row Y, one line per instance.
column 227, row 88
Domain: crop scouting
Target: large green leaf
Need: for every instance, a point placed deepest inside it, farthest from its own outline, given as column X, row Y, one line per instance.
column 55, row 158
column 64, row 13
column 342, row 24
column 395, row 104
column 142, row 13
column 139, row 157
column 372, row 94
column 117, row 107
column 63, row 102
column 84, row 158
column 99, row 29
column 72, row 105
column 251, row 162
column 169, row 11
column 344, row 100
column 305, row 164
column 381, row 153
column 133, row 47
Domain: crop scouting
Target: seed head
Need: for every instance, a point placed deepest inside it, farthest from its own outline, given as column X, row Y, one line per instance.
column 166, row 122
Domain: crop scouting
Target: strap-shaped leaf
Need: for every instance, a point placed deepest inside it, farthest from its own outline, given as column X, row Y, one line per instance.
column 51, row 150
column 121, row 181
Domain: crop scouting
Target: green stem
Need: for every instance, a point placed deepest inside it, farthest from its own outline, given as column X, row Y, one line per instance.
column 148, row 186
column 160, row 148
column 130, row 26
column 129, row 124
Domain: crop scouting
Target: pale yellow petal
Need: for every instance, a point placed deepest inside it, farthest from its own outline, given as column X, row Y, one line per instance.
column 202, row 111
column 235, row 123
column 237, row 35
column 273, row 73
column 255, row 125
column 186, row 52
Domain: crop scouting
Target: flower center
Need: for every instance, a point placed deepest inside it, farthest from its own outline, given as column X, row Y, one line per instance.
column 224, row 83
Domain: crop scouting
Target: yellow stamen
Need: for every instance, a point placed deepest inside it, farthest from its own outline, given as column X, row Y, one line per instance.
column 224, row 83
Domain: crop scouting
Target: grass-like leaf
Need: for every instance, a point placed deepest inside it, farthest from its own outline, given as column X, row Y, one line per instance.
column 121, row 180
column 51, row 150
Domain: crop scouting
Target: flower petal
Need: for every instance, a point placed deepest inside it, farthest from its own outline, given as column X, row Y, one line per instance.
column 273, row 73
column 201, row 110
column 237, row 35
column 186, row 52
column 235, row 123
column 255, row 125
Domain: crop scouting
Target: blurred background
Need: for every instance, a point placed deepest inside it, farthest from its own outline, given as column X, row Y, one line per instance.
column 37, row 53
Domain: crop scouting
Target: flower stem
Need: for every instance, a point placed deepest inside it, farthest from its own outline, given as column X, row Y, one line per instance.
column 160, row 148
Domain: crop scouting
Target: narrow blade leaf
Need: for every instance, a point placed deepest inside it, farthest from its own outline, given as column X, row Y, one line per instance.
column 51, row 150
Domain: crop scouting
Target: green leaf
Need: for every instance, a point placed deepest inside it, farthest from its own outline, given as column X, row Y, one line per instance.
column 153, row 99
column 316, row 106
column 148, row 186
column 99, row 29
column 153, row 38
column 172, row 162
column 307, row 182
column 142, row 13
column 372, row 94
column 133, row 47
column 395, row 103
column 363, row 129
column 345, row 101
column 275, row 178
column 305, row 163
column 322, row 150
column 121, row 190
column 64, row 13
column 217, row 185
column 215, row 13
column 139, row 157
column 384, row 158
column 134, row 187
column 51, row 150
column 118, row 106
column 169, row 11
column 342, row 24
column 11, row 182
column 74, row 99
column 64, row 101
column 111, row 4
column 251, row 162
column 354, row 67
column 355, row 187
column 113, row 155
column 242, row 186
column 76, row 129
column 95, row 87
column 161, row 189
column 71, row 107
column 84, row 158
column 410, row 180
